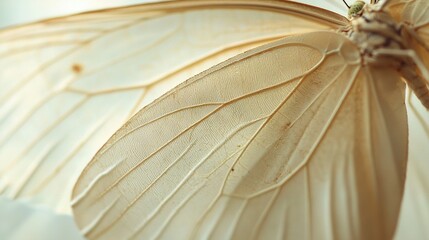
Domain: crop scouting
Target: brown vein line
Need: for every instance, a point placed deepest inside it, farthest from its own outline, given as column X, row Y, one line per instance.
column 349, row 194
column 167, row 94
column 283, row 233
column 333, row 201
column 419, row 27
column 376, row 102
column 136, row 107
column 87, row 19
column 187, row 177
column 35, row 108
column 223, row 185
column 32, row 111
column 102, row 151
column 368, row 128
column 39, row 46
column 236, row 131
column 26, row 117
column 107, row 91
column 131, row 204
column 61, row 56
column 33, row 74
column 284, row 101
column 45, row 132
column 24, row 180
column 170, row 218
column 70, row 156
column 422, row 14
column 143, row 50
column 220, row 193
column 263, row 216
column 223, row 162
column 150, row 217
column 214, row 201
column 180, row 69
column 301, row 80
column 55, row 33
column 114, row 184
column 303, row 76
column 86, row 230
column 309, row 221
column 77, row 199
column 272, row 6
column 321, row 137
column 422, row 34
column 196, row 61
column 55, row 94
column 234, row 221
column 190, row 107
column 185, row 130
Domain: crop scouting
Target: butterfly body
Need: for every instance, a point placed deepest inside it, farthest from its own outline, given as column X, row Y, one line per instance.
column 383, row 42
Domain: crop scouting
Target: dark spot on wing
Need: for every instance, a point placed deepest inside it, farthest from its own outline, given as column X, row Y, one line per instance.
column 77, row 68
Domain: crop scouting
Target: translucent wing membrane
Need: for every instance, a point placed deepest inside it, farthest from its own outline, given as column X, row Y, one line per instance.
column 415, row 210
column 286, row 141
column 67, row 84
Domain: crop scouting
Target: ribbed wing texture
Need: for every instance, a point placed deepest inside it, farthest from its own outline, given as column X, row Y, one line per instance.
column 67, row 84
column 415, row 211
column 292, row 140
column 414, row 214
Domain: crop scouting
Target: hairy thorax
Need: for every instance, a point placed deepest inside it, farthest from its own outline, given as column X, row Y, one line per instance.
column 383, row 42
column 373, row 30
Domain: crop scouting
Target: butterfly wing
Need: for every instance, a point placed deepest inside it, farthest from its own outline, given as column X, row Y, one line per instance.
column 69, row 83
column 414, row 210
column 288, row 141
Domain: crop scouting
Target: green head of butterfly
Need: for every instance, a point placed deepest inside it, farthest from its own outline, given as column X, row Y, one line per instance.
column 356, row 8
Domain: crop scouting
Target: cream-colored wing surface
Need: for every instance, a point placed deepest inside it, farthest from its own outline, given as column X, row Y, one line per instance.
column 414, row 214
column 292, row 140
column 67, row 84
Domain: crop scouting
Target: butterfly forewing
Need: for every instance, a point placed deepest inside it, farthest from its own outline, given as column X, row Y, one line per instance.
column 272, row 144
